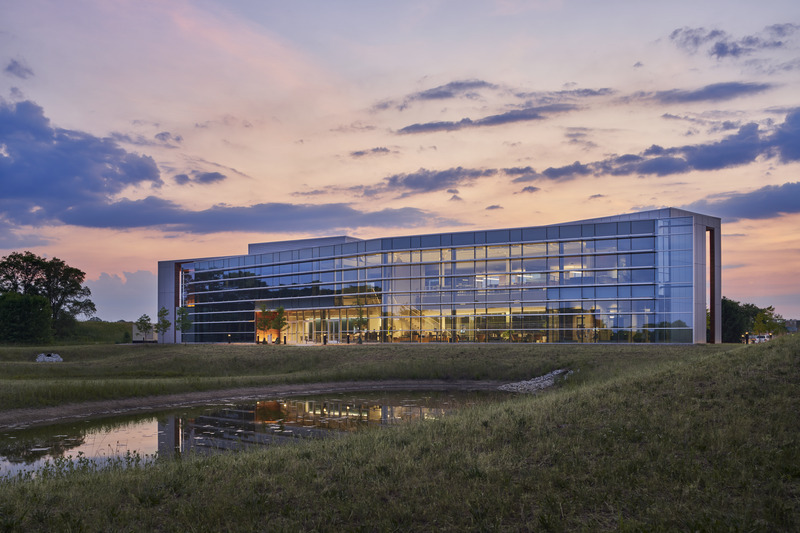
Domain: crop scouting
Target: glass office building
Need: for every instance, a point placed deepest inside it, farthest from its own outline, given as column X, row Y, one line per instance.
column 643, row 277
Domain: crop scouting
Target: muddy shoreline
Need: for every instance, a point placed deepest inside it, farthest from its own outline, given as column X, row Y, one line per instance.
column 41, row 416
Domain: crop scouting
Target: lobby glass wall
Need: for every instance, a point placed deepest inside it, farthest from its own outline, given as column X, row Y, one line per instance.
column 601, row 282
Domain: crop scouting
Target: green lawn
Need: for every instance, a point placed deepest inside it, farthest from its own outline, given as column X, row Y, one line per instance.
column 650, row 438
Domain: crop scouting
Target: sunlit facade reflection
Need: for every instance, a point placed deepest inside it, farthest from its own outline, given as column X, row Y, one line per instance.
column 642, row 277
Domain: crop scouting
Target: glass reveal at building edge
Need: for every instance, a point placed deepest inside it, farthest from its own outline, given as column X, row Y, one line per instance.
column 643, row 277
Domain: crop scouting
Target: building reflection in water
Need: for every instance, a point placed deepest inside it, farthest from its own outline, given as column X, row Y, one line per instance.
column 261, row 423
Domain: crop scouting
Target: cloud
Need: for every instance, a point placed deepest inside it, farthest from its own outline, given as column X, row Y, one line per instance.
column 567, row 172
column 716, row 92
column 455, row 89
column 199, row 178
column 356, row 126
column 767, row 202
column 314, row 192
column 45, row 170
column 530, row 189
column 168, row 216
column 381, row 150
column 494, row 207
column 743, row 147
column 18, row 69
column 424, row 181
column 509, row 117
column 567, row 95
column 167, row 137
column 163, row 139
column 720, row 44
column 209, row 177
column 787, row 137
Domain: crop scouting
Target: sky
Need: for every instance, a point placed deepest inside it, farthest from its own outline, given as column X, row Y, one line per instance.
column 133, row 131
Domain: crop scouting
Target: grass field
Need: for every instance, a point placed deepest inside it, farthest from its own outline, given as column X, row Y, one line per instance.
column 655, row 438
column 100, row 372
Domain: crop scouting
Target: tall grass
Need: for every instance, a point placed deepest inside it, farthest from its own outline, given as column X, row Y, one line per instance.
column 102, row 372
column 699, row 440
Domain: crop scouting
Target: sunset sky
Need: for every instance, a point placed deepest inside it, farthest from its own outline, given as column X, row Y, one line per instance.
column 138, row 131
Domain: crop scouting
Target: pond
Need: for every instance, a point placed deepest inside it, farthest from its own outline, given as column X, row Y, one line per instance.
column 221, row 427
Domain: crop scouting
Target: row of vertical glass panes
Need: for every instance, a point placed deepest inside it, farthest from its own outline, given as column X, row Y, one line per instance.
column 602, row 282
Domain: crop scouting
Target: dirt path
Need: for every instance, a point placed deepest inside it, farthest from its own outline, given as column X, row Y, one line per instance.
column 49, row 415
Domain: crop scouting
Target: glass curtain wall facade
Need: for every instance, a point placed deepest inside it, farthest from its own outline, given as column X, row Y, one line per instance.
column 630, row 278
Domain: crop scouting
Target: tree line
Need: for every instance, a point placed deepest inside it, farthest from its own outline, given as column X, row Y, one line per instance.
column 183, row 322
column 741, row 318
column 40, row 299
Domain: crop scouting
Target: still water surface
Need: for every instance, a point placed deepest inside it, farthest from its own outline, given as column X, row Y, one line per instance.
column 219, row 427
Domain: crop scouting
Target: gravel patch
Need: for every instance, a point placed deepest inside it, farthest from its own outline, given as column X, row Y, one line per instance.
column 535, row 384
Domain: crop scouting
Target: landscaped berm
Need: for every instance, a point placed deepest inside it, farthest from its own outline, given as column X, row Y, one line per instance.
column 653, row 438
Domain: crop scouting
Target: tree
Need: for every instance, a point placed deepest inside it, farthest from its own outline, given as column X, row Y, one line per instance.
column 62, row 285
column 24, row 318
column 279, row 322
column 144, row 325
column 737, row 319
column 183, row 321
column 271, row 320
column 162, row 324
column 21, row 273
column 767, row 321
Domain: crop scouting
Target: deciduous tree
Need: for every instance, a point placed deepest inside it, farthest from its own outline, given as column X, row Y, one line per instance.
column 163, row 323
column 144, row 325
column 60, row 284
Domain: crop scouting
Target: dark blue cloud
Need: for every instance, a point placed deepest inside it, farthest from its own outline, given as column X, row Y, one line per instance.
column 734, row 150
column 519, row 171
column 720, row 44
column 530, row 188
column 787, row 137
column 46, row 169
column 200, row 178
column 18, row 69
column 424, row 180
column 658, row 166
column 516, row 115
column 493, row 207
column 156, row 212
column 380, row 150
column 209, row 177
column 454, row 89
column 468, row 89
column 716, row 92
column 767, row 202
column 740, row 148
column 167, row 137
column 567, row 172
column 55, row 176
